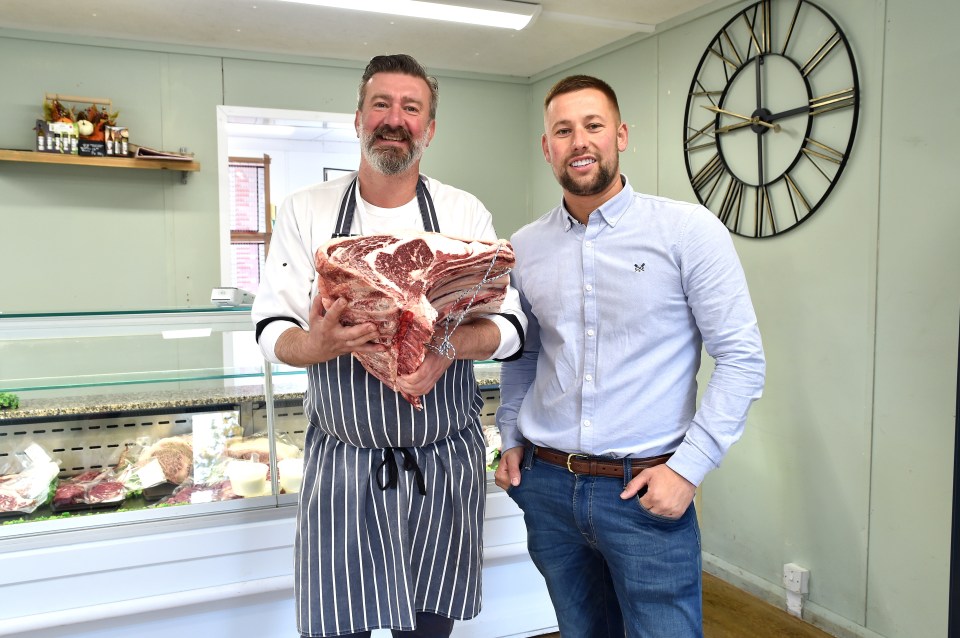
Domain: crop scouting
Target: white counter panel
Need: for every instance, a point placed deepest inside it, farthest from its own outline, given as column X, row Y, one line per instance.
column 222, row 576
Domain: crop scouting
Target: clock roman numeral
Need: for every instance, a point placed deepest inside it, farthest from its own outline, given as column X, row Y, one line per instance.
column 708, row 128
column 767, row 35
column 705, row 92
column 733, row 47
column 793, row 23
column 816, row 152
column 822, row 151
column 764, row 212
column 708, row 173
column 731, row 204
column 720, row 54
column 820, row 53
column 796, row 194
column 762, row 42
column 832, row 101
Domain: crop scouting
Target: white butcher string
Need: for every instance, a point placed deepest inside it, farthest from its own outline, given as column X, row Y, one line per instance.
column 445, row 348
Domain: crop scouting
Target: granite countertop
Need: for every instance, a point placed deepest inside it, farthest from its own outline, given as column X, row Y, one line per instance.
column 46, row 408
column 140, row 401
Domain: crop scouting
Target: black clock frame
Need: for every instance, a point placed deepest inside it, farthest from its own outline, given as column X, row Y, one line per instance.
column 763, row 112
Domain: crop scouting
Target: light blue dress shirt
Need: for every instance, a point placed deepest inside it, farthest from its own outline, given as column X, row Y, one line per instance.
column 618, row 311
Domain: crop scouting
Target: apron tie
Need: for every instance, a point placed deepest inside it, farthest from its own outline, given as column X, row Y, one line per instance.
column 409, row 464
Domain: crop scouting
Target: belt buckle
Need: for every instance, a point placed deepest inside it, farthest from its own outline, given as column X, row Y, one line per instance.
column 570, row 459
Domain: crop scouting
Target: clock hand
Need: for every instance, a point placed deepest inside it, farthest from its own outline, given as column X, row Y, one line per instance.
column 790, row 113
column 716, row 109
column 755, row 120
column 750, row 121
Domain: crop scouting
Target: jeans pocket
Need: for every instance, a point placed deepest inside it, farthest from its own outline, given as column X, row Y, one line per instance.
column 656, row 517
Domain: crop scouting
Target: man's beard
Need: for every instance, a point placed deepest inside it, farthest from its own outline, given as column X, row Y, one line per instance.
column 605, row 175
column 391, row 160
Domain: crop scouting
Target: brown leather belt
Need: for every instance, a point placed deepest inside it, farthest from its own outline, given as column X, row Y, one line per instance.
column 595, row 465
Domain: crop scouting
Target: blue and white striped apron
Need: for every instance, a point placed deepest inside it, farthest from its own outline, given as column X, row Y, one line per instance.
column 391, row 506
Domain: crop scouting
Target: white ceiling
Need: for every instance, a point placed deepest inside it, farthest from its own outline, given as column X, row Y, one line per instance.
column 564, row 30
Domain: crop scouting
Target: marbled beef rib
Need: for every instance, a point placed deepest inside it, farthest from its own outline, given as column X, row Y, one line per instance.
column 412, row 285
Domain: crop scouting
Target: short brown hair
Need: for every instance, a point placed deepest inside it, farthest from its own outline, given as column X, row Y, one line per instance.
column 573, row 83
column 399, row 63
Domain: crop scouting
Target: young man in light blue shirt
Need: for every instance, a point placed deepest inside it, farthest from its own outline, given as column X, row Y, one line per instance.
column 604, row 444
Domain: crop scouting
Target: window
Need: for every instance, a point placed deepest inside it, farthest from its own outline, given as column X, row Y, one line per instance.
column 264, row 155
column 251, row 222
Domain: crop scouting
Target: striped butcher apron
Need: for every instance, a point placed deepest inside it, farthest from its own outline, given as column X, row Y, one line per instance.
column 391, row 505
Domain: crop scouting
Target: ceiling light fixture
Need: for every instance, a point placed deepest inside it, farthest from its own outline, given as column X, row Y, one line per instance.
column 260, row 130
column 491, row 13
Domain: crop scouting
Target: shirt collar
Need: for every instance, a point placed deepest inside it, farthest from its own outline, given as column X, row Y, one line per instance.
column 610, row 211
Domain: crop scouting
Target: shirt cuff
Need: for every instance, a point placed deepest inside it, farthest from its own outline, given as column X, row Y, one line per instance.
column 509, row 339
column 690, row 463
column 510, row 438
column 268, row 338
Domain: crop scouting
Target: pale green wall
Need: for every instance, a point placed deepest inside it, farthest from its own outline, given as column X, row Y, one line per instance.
column 847, row 460
column 918, row 277
column 80, row 238
column 800, row 479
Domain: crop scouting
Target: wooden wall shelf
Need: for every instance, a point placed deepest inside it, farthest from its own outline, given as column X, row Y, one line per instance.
column 112, row 162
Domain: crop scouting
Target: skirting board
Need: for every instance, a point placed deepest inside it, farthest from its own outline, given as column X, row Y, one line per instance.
column 775, row 595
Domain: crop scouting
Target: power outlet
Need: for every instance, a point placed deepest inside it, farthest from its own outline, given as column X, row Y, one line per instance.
column 796, row 578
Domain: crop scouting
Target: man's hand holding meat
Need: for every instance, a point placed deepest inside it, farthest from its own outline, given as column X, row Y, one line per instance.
column 469, row 341
column 327, row 338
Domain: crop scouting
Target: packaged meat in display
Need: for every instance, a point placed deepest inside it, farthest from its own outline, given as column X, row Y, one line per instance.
column 417, row 287
column 28, row 483
column 174, row 455
column 257, row 447
column 200, row 493
column 93, row 489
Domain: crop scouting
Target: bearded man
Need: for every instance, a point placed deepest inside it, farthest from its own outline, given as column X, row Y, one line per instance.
column 604, row 443
column 391, row 505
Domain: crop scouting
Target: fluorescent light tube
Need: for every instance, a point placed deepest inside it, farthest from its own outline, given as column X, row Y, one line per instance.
column 189, row 333
column 490, row 13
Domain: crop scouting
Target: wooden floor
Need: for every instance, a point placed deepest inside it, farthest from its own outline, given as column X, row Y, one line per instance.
column 729, row 612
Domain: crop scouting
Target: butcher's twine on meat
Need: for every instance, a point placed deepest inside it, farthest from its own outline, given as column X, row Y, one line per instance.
column 446, row 348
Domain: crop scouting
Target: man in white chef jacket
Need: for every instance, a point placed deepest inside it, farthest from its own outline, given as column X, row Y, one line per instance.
column 391, row 507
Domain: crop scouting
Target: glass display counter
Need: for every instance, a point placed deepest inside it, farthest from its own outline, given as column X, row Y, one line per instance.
column 161, row 455
column 131, row 411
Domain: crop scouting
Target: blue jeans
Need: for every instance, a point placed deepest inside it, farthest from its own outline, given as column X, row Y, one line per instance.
column 612, row 568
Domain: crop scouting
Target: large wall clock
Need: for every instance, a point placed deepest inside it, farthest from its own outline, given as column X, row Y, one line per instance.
column 771, row 116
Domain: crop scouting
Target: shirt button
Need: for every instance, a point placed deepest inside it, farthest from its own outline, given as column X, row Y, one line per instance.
column 590, row 332
column 589, row 287
column 588, row 244
column 589, row 377
column 586, row 423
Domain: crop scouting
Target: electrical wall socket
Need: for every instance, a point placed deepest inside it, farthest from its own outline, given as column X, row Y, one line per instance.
column 796, row 578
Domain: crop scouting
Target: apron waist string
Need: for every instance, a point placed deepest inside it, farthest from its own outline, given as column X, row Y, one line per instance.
column 389, row 464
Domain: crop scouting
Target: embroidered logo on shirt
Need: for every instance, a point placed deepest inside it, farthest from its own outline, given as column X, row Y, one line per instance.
column 639, row 267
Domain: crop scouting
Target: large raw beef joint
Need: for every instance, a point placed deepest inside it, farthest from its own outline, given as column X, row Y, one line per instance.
column 417, row 287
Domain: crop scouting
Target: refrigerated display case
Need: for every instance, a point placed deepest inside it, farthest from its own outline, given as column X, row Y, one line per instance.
column 171, row 450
